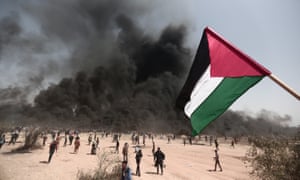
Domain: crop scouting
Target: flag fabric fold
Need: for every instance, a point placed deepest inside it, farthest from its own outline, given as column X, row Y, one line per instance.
column 219, row 75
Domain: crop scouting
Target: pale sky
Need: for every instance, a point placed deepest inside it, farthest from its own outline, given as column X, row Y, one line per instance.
column 268, row 31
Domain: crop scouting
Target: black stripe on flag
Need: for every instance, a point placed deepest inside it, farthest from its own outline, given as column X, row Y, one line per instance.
column 200, row 64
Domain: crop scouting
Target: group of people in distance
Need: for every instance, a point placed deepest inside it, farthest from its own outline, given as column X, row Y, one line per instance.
column 53, row 147
column 158, row 156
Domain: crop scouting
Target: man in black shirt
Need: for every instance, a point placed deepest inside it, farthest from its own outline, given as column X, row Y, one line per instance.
column 159, row 158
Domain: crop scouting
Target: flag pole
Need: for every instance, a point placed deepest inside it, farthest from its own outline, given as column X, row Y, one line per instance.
column 284, row 86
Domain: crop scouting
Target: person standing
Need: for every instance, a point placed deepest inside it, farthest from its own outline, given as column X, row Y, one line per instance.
column 216, row 144
column 159, row 158
column 217, row 161
column 94, row 149
column 97, row 142
column 232, row 143
column 45, row 137
column 190, row 140
column 125, row 152
column 117, row 146
column 71, row 137
column 57, row 141
column 144, row 139
column 90, row 139
column 76, row 144
column 2, row 140
column 153, row 147
column 52, row 149
column 138, row 158
column 126, row 174
column 66, row 140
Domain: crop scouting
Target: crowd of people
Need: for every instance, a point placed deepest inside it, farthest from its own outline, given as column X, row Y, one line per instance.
column 72, row 138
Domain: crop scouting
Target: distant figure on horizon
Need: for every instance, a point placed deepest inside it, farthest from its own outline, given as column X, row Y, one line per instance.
column 52, row 149
column 14, row 137
column 94, row 149
column 159, row 158
column 66, row 139
column 45, row 137
column 71, row 137
column 184, row 141
column 117, row 146
column 76, row 144
column 126, row 173
column 216, row 144
column 232, row 143
column 217, row 161
column 138, row 158
column 125, row 152
column 144, row 139
column 57, row 141
column 53, row 134
column 153, row 147
column 210, row 140
column 97, row 142
column 95, row 135
column 190, row 140
column 90, row 138
column 2, row 140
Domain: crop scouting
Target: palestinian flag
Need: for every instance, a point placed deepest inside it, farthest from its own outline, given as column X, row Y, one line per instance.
column 219, row 75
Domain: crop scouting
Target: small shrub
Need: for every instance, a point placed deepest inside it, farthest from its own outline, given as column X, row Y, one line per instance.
column 275, row 159
column 31, row 141
column 109, row 167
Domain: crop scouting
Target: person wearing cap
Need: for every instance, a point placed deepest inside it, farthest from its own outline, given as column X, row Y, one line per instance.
column 159, row 158
column 126, row 174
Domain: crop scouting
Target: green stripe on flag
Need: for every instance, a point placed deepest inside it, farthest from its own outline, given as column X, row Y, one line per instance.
column 220, row 99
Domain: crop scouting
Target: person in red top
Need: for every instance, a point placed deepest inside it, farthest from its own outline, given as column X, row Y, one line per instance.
column 77, row 144
column 52, row 149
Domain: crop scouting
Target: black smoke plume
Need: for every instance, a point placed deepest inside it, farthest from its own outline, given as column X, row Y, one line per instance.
column 91, row 64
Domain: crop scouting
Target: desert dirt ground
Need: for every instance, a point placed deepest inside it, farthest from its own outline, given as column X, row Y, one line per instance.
column 182, row 162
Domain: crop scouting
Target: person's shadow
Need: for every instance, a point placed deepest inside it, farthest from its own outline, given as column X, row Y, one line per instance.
column 44, row 162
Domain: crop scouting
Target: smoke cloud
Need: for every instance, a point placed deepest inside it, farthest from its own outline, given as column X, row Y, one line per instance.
column 94, row 64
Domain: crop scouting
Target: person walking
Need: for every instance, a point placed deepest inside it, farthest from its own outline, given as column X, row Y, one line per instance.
column 138, row 158
column 52, row 149
column 159, row 158
column 217, row 161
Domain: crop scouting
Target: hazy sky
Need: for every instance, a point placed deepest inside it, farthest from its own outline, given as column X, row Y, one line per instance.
column 268, row 31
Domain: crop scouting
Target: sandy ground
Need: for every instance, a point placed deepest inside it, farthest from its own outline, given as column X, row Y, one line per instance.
column 182, row 162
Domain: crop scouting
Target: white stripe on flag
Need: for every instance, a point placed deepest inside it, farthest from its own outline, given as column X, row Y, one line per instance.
column 203, row 88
